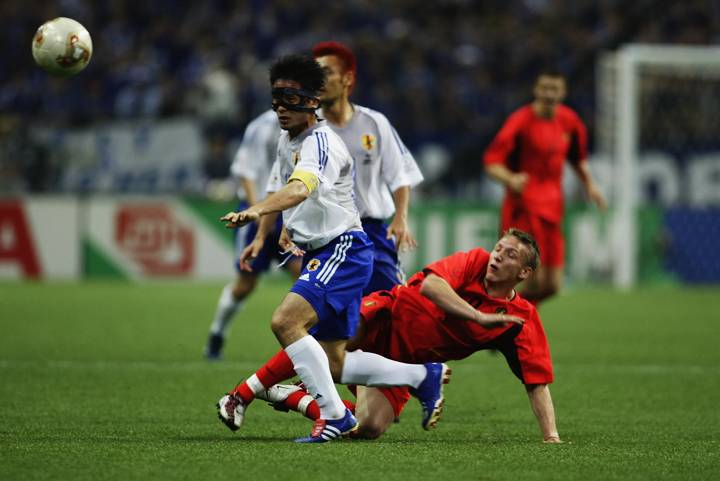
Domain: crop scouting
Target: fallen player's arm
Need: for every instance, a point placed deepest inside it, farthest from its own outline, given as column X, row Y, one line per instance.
column 542, row 407
column 444, row 296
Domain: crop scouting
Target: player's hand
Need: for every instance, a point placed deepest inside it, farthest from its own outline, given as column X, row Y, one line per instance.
column 404, row 240
column 250, row 253
column 234, row 220
column 497, row 320
column 287, row 245
column 597, row 198
column 517, row 182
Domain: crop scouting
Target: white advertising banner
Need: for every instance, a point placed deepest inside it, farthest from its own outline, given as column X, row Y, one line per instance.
column 157, row 238
column 40, row 238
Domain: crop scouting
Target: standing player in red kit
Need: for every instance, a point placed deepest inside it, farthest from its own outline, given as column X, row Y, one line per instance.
column 456, row 306
column 528, row 156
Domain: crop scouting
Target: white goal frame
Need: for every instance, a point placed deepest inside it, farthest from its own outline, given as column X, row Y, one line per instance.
column 627, row 63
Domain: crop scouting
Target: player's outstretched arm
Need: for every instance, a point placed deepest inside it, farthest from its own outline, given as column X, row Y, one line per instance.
column 440, row 292
column 544, row 411
column 289, row 196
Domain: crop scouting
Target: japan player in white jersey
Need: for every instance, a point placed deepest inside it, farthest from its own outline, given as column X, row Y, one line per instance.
column 312, row 185
column 251, row 167
column 385, row 169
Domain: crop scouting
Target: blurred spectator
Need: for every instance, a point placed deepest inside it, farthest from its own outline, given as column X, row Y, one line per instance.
column 444, row 72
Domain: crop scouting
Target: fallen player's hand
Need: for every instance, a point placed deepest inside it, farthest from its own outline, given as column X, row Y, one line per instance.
column 497, row 320
column 238, row 219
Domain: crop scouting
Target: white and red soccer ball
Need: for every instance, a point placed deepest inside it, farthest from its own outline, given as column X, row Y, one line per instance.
column 62, row 46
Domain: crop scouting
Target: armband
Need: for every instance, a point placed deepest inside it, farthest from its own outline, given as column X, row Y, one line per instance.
column 310, row 180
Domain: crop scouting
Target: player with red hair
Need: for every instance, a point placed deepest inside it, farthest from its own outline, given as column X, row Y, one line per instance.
column 385, row 170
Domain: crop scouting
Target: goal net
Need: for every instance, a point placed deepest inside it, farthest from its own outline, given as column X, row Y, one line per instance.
column 658, row 132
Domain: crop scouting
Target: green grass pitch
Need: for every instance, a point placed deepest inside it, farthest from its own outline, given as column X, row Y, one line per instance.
column 107, row 381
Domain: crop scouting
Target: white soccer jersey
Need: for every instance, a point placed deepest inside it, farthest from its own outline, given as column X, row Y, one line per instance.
column 382, row 162
column 256, row 154
column 330, row 209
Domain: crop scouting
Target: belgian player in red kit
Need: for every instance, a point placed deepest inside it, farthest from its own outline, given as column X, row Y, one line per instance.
column 456, row 306
column 528, row 156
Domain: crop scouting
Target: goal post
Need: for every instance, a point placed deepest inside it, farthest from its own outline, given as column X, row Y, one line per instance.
column 630, row 83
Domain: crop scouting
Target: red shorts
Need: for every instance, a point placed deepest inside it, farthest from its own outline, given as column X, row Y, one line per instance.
column 396, row 396
column 375, row 310
column 548, row 235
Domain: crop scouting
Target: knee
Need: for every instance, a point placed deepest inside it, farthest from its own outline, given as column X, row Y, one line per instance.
column 243, row 287
column 371, row 429
column 280, row 322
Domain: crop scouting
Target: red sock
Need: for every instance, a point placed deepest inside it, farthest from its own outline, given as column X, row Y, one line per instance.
column 350, row 405
column 303, row 403
column 276, row 370
column 297, row 401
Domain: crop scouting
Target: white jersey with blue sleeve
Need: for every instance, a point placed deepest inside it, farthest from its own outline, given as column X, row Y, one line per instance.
column 319, row 158
column 382, row 162
column 256, row 154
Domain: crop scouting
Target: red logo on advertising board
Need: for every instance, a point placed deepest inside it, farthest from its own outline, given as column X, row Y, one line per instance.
column 155, row 239
column 16, row 242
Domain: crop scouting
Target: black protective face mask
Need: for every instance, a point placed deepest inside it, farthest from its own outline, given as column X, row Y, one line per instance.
column 293, row 99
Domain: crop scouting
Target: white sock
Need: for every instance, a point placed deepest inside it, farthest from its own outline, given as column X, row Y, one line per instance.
column 312, row 366
column 368, row 369
column 226, row 309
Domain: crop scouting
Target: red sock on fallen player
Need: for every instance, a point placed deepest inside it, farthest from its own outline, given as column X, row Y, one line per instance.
column 303, row 403
column 277, row 369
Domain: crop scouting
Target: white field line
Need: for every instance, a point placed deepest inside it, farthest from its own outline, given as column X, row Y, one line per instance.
column 165, row 366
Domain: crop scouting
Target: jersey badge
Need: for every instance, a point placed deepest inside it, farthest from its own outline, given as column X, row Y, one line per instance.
column 304, row 277
column 313, row 265
column 368, row 141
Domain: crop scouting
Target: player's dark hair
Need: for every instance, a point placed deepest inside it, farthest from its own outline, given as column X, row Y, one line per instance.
column 300, row 68
column 532, row 259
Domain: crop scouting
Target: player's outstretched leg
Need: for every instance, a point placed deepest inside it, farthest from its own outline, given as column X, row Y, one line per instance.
column 430, row 393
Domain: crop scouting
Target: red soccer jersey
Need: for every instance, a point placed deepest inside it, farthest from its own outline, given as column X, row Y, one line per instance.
column 538, row 146
column 421, row 332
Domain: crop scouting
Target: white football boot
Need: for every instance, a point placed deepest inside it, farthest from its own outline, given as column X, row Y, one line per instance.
column 231, row 411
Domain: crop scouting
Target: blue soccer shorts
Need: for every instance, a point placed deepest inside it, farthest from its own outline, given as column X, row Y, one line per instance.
column 387, row 272
column 332, row 281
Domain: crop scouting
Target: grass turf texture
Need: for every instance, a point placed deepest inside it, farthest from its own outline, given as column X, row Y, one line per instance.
column 106, row 381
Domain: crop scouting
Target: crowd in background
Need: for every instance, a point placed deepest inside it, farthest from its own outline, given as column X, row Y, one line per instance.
column 446, row 71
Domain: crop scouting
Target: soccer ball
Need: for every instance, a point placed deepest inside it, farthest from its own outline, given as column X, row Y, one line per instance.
column 62, row 46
